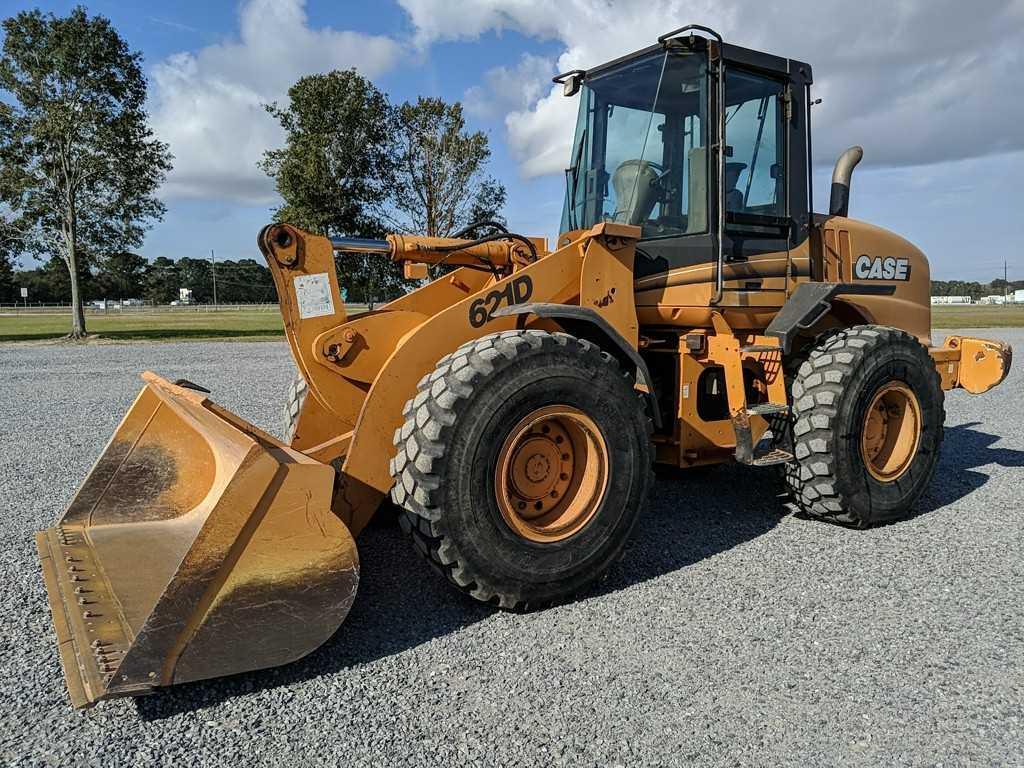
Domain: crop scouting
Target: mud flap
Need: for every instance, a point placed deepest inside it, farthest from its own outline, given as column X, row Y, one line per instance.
column 198, row 546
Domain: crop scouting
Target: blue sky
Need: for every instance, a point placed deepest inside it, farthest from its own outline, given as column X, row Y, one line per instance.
column 941, row 129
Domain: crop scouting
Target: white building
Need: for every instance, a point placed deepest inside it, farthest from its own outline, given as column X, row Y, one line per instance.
column 951, row 299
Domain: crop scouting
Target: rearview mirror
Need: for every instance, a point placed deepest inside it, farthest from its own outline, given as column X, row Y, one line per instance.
column 571, row 86
column 570, row 81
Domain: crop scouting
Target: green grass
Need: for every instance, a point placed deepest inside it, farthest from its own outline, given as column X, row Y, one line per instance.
column 152, row 326
column 978, row 316
column 266, row 324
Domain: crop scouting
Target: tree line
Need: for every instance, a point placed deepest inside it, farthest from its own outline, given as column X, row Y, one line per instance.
column 130, row 276
column 975, row 289
column 80, row 172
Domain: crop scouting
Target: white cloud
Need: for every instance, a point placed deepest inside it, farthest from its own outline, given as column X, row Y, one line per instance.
column 208, row 105
column 915, row 82
column 508, row 89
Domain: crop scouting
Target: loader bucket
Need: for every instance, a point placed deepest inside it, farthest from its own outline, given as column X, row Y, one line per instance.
column 198, row 546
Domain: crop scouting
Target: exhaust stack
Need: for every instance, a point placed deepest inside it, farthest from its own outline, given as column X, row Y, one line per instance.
column 840, row 202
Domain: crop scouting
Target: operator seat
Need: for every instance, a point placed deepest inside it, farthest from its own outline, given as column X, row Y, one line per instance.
column 636, row 191
column 733, row 196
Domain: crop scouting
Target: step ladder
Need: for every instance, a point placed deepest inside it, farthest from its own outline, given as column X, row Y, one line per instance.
column 728, row 353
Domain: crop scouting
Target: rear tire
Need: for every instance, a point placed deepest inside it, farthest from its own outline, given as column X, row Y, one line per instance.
column 514, row 405
column 845, row 469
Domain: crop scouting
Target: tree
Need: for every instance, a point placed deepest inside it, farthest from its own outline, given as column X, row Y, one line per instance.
column 50, row 283
column 161, row 283
column 346, row 170
column 334, row 172
column 8, row 289
column 196, row 275
column 78, row 164
column 122, row 275
column 441, row 184
column 245, row 281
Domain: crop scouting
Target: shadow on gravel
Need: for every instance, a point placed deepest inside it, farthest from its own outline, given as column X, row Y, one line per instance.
column 402, row 604
column 964, row 449
column 693, row 514
column 698, row 513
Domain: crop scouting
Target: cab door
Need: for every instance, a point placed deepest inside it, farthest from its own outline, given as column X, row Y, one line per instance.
column 765, row 188
column 766, row 248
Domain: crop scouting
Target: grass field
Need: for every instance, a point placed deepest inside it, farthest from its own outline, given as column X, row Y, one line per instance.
column 152, row 326
column 262, row 325
column 978, row 316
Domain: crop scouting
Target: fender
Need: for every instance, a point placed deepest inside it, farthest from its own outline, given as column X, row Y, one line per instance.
column 810, row 302
column 365, row 475
column 585, row 323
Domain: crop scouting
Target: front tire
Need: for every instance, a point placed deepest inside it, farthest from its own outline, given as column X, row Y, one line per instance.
column 522, row 467
column 867, row 425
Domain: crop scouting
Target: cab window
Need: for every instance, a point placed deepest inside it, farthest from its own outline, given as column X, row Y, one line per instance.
column 755, row 154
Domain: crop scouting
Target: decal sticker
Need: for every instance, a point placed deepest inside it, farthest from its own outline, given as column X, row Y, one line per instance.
column 879, row 268
column 313, row 292
column 515, row 291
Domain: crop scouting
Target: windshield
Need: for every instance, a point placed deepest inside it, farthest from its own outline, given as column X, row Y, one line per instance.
column 640, row 154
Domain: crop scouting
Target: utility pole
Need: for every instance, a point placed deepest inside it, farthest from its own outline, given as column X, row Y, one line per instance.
column 213, row 267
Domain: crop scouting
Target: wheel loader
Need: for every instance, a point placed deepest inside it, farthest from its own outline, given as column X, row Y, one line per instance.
column 693, row 310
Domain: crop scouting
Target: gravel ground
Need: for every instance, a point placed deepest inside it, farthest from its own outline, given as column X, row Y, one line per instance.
column 732, row 633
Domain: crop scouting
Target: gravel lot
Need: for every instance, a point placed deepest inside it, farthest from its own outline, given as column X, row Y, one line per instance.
column 732, row 633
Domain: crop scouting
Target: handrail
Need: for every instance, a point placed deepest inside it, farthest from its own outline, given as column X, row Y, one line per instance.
column 688, row 28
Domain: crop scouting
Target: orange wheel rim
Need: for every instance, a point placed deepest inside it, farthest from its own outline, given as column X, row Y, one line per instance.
column 892, row 432
column 551, row 474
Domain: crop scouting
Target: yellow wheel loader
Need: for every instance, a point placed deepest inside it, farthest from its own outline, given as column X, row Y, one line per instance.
column 694, row 310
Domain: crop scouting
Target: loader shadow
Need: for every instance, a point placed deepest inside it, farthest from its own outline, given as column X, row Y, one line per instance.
column 964, row 450
column 693, row 515
column 402, row 604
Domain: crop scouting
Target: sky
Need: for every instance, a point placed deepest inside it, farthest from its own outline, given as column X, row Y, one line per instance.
column 929, row 88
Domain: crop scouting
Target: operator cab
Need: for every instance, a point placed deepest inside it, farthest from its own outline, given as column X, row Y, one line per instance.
column 646, row 151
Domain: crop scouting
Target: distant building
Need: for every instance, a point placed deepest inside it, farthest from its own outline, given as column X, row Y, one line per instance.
column 1018, row 297
column 997, row 298
column 951, row 300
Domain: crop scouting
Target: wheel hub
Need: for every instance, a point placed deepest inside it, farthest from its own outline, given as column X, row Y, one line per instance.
column 891, row 432
column 551, row 473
